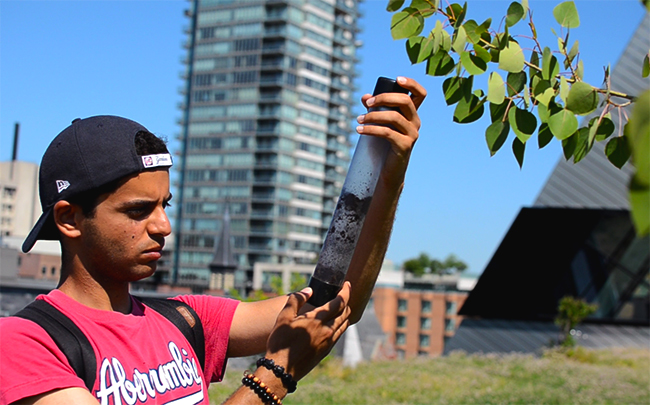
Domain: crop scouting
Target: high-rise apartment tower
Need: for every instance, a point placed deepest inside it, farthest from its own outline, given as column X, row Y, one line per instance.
column 265, row 128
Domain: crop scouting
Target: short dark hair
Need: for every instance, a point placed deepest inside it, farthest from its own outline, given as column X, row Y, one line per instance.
column 146, row 143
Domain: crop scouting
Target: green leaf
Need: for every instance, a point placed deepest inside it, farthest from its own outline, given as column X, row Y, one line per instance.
column 518, row 149
column 436, row 34
column 582, row 98
column 460, row 40
column 546, row 96
column 618, row 151
column 483, row 29
column 498, row 111
column 440, row 64
column 562, row 124
column 496, row 135
column 523, row 123
column 472, row 63
column 524, row 4
column 482, row 53
column 545, row 111
column 419, row 49
column 445, row 40
column 637, row 131
column 640, row 204
column 394, row 5
column 515, row 14
column 496, row 90
column 550, row 67
column 468, row 109
column 580, row 69
column 544, row 135
column 425, row 7
column 534, row 58
column 564, row 89
column 566, row 14
column 604, row 130
column 511, row 58
column 583, row 146
column 456, row 14
column 516, row 82
column 473, row 31
column 645, row 70
column 455, row 88
column 569, row 145
column 406, row 23
column 571, row 55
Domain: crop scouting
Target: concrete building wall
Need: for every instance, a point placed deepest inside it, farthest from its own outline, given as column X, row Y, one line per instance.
column 19, row 202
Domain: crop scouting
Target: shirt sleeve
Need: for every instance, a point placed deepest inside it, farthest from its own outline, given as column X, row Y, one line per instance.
column 216, row 314
column 31, row 362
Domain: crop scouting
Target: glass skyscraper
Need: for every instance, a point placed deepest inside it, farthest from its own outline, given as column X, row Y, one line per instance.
column 265, row 128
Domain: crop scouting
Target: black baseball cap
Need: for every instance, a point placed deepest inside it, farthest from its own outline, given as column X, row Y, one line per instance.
column 90, row 153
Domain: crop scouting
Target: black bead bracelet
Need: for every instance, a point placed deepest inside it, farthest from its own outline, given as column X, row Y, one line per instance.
column 260, row 389
column 287, row 379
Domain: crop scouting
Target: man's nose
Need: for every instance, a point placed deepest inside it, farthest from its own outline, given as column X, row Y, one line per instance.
column 159, row 223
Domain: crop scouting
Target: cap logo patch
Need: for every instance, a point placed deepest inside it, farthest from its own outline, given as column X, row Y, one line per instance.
column 62, row 185
column 162, row 159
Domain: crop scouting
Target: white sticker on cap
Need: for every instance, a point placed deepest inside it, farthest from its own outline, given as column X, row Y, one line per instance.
column 163, row 159
column 62, row 185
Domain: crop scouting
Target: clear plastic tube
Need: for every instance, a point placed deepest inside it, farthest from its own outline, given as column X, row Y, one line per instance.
column 351, row 209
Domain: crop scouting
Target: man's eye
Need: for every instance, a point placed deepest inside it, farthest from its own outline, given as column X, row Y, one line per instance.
column 136, row 211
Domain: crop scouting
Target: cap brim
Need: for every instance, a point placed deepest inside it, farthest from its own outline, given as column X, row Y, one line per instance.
column 43, row 230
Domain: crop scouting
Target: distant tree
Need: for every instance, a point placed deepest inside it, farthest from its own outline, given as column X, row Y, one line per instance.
column 419, row 265
column 572, row 311
column 424, row 264
column 298, row 281
column 276, row 284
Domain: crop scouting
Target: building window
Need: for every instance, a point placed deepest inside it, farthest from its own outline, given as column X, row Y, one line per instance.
column 44, row 270
column 426, row 307
column 450, row 325
column 451, row 308
column 9, row 192
column 401, row 322
column 425, row 323
column 402, row 305
column 425, row 340
column 53, row 270
column 400, row 339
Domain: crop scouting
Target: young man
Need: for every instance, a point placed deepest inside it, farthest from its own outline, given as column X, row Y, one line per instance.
column 104, row 187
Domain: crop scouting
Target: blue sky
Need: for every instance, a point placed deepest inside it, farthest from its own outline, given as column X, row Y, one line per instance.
column 60, row 60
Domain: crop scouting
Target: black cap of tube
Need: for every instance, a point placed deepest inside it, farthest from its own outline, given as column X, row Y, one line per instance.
column 386, row 85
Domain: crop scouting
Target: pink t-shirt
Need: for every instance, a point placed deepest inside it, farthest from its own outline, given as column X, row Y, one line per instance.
column 141, row 357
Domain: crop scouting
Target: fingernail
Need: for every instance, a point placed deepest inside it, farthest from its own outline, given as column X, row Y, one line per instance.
column 401, row 79
column 370, row 101
column 306, row 290
column 361, row 118
column 360, row 129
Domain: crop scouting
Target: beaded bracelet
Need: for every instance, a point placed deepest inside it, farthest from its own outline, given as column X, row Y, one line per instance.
column 287, row 379
column 261, row 389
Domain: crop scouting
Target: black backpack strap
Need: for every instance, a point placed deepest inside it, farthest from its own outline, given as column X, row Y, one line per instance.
column 67, row 336
column 184, row 318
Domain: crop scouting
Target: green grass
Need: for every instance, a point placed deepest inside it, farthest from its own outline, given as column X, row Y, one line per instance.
column 574, row 376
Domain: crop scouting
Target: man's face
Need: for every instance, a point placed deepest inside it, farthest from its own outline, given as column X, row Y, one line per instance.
column 123, row 240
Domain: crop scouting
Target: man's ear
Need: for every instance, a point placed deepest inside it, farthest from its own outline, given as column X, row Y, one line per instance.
column 67, row 218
